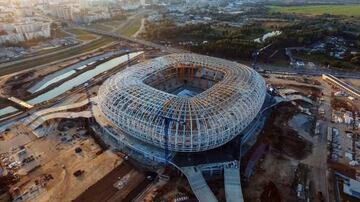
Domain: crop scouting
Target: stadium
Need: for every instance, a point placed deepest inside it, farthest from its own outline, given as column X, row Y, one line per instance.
column 179, row 103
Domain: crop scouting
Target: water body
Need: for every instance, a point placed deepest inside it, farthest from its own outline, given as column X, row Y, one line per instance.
column 7, row 110
column 54, row 80
column 68, row 71
column 83, row 67
column 267, row 35
column 82, row 78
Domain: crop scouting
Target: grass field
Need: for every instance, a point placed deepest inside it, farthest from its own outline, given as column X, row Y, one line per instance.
column 346, row 10
column 113, row 23
column 130, row 28
column 77, row 31
column 61, row 34
column 82, row 35
column 101, row 26
column 56, row 56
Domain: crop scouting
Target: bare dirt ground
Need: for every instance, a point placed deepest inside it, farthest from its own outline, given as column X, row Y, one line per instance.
column 274, row 174
column 66, row 186
column 17, row 136
column 282, row 137
column 353, row 82
column 308, row 87
column 104, row 189
column 59, row 160
column 277, row 170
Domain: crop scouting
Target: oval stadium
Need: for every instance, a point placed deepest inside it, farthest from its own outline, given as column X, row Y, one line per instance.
column 182, row 102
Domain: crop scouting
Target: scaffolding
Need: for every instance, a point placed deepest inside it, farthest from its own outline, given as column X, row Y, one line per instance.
column 141, row 101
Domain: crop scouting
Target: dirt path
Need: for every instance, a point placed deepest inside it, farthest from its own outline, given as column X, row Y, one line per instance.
column 141, row 29
column 318, row 159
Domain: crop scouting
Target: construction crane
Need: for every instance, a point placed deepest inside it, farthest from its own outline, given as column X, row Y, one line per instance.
column 89, row 100
column 255, row 56
column 128, row 55
column 257, row 53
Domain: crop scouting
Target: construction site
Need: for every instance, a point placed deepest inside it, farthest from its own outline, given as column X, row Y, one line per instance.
column 46, row 156
column 134, row 122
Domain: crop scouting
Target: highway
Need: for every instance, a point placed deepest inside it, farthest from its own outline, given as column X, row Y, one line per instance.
column 44, row 60
column 54, row 57
column 134, row 40
column 131, row 39
column 318, row 71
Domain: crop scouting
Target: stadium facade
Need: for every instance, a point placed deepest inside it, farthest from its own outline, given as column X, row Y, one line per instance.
column 179, row 103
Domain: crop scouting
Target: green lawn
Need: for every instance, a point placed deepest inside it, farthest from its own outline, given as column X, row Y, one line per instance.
column 101, row 26
column 346, row 10
column 82, row 35
column 77, row 31
column 60, row 34
column 130, row 28
column 113, row 23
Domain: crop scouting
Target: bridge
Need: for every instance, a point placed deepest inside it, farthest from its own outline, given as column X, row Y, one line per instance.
column 231, row 171
column 47, row 111
column 341, row 84
column 40, row 117
column 273, row 69
column 286, row 70
column 233, row 190
column 134, row 40
column 20, row 102
column 198, row 184
column 67, row 115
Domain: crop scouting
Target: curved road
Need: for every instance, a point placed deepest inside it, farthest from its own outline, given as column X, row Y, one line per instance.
column 271, row 68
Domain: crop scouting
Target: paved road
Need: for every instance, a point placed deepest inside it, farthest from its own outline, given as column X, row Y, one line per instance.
column 52, row 58
column 311, row 72
column 198, row 184
column 70, row 115
column 323, row 175
column 233, row 191
column 274, row 69
column 43, row 55
column 318, row 161
column 135, row 40
column 50, row 54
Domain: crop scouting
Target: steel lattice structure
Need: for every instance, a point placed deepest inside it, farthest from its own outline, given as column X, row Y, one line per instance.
column 144, row 101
